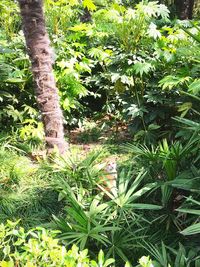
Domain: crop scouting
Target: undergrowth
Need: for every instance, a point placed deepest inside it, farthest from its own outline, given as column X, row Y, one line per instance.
column 25, row 194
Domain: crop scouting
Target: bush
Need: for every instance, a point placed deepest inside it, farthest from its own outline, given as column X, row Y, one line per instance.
column 38, row 247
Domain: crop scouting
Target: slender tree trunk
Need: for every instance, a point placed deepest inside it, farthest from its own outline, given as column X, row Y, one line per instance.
column 86, row 16
column 40, row 53
column 184, row 8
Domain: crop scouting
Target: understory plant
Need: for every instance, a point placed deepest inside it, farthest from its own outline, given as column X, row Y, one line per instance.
column 112, row 221
column 166, row 256
column 39, row 247
column 25, row 192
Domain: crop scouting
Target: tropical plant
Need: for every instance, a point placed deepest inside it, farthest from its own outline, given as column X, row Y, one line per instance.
column 78, row 167
column 176, row 179
column 167, row 257
column 91, row 222
column 194, row 228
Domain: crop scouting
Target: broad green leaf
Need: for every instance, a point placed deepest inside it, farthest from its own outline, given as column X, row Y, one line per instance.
column 73, row 2
column 7, row 263
column 80, row 27
column 153, row 32
column 142, row 68
column 171, row 81
column 145, row 261
column 89, row 4
column 163, row 11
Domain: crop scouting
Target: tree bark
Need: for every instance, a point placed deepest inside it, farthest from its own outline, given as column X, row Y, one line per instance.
column 40, row 53
column 184, row 8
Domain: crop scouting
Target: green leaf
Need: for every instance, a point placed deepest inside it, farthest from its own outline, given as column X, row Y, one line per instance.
column 142, row 68
column 98, row 53
column 194, row 87
column 171, row 81
column 145, row 261
column 190, row 211
column 142, row 191
column 80, row 27
column 153, row 32
column 184, row 108
column 192, row 230
column 163, row 11
column 144, row 206
column 127, row 264
column 73, row 2
column 89, row 4
column 15, row 80
column 108, row 262
column 101, row 257
column 195, row 37
column 121, row 254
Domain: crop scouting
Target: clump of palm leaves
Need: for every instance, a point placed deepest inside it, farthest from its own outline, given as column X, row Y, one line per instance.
column 77, row 166
column 114, row 223
column 166, row 256
column 191, row 206
column 175, row 168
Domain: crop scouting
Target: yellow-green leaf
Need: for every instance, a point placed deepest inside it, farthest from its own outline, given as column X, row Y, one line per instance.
column 89, row 4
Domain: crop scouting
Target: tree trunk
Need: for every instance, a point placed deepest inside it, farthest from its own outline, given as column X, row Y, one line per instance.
column 86, row 16
column 40, row 53
column 184, row 8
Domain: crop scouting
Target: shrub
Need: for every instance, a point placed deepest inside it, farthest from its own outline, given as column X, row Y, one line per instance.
column 38, row 247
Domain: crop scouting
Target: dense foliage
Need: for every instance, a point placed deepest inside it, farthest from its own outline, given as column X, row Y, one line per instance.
column 39, row 247
column 125, row 70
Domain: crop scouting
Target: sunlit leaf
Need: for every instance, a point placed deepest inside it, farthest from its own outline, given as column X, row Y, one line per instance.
column 191, row 230
column 89, row 4
column 194, row 87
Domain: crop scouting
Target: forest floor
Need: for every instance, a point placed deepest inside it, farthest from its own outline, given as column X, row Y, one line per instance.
column 100, row 135
column 100, row 132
